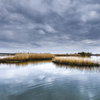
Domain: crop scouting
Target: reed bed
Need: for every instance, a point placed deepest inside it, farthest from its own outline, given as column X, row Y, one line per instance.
column 75, row 62
column 27, row 57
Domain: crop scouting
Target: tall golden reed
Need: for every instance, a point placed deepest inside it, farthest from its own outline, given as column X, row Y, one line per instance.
column 27, row 57
column 75, row 62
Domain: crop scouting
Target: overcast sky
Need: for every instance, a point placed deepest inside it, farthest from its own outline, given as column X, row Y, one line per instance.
column 55, row 26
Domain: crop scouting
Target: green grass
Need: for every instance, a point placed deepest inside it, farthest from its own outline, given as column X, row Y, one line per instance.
column 75, row 62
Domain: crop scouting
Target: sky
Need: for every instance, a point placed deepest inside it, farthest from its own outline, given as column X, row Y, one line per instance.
column 50, row 26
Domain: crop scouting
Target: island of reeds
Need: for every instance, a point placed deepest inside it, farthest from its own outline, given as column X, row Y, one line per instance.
column 22, row 57
column 75, row 62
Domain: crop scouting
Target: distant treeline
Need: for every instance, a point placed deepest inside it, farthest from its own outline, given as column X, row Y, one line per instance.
column 7, row 54
column 67, row 54
column 88, row 54
column 83, row 54
column 97, row 54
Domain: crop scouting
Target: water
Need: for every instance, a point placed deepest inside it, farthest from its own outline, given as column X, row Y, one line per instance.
column 43, row 80
column 5, row 56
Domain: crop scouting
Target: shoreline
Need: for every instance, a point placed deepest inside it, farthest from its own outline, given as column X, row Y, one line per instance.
column 76, row 54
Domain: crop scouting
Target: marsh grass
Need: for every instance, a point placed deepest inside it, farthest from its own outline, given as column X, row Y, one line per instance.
column 27, row 57
column 75, row 62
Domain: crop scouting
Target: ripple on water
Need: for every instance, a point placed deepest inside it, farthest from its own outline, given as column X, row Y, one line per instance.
column 48, row 81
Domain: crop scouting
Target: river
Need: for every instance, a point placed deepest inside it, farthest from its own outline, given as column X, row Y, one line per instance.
column 44, row 80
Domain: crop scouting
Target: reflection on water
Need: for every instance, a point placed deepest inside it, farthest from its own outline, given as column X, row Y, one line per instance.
column 82, row 68
column 28, row 62
column 5, row 56
column 43, row 80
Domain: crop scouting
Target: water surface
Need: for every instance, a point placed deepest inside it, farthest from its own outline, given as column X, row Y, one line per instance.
column 43, row 80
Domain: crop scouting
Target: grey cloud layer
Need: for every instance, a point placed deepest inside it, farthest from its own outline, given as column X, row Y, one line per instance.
column 49, row 25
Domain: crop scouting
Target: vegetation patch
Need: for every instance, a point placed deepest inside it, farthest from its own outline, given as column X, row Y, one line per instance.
column 75, row 62
column 27, row 57
column 84, row 54
column 67, row 54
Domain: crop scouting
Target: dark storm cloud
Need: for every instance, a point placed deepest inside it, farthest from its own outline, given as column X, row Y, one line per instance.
column 49, row 25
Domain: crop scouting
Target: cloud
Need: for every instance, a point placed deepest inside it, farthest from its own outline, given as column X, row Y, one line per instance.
column 49, row 25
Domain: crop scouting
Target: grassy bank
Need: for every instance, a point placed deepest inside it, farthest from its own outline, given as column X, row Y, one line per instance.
column 27, row 57
column 75, row 62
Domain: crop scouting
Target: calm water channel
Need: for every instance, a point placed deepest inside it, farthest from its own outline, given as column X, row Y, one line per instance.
column 43, row 80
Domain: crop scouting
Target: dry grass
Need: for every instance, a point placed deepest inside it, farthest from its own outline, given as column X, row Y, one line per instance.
column 75, row 62
column 67, row 54
column 27, row 57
